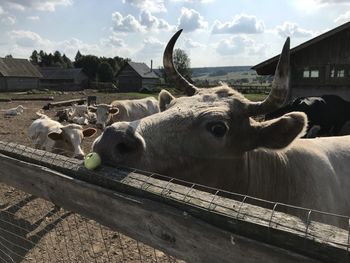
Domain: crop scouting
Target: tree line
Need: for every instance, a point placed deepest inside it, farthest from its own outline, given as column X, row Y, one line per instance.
column 104, row 69
column 101, row 69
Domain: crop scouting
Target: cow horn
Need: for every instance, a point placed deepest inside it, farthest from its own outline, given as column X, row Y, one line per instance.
column 280, row 87
column 180, row 82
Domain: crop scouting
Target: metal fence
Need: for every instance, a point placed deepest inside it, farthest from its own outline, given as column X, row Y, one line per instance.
column 35, row 230
column 189, row 221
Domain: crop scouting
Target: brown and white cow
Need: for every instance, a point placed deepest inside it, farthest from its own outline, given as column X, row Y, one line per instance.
column 210, row 137
column 124, row 110
column 52, row 136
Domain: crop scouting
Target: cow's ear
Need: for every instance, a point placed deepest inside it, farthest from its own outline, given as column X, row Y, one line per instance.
column 164, row 99
column 281, row 132
column 113, row 110
column 55, row 136
column 89, row 132
column 92, row 108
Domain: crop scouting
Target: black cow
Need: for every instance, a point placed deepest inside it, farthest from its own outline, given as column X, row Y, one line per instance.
column 328, row 112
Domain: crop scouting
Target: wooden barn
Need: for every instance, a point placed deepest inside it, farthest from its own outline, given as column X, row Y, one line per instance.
column 18, row 75
column 318, row 66
column 63, row 78
column 134, row 77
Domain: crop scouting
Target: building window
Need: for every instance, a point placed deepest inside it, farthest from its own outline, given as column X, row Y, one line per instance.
column 311, row 73
column 314, row 74
column 340, row 73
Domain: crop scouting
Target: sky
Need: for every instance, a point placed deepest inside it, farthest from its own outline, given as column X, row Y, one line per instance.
column 215, row 32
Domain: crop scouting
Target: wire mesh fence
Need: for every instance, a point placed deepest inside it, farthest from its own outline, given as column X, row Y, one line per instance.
column 35, row 230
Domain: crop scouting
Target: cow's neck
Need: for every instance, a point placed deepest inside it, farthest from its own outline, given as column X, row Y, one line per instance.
column 267, row 173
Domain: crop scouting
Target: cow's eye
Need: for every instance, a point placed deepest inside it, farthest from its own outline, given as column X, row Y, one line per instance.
column 218, row 129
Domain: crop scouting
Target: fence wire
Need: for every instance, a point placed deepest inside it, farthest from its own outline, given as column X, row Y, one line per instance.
column 35, row 230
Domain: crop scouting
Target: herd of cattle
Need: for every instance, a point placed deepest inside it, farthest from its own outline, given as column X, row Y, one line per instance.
column 212, row 137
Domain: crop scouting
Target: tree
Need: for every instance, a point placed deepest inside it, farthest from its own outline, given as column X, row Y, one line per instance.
column 9, row 56
column 34, row 58
column 90, row 64
column 105, row 72
column 77, row 56
column 182, row 63
column 67, row 63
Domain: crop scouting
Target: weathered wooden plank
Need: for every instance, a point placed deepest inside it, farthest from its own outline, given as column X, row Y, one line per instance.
column 35, row 98
column 207, row 210
column 63, row 103
column 153, row 223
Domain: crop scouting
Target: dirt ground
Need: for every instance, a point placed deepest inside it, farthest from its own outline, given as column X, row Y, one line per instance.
column 34, row 230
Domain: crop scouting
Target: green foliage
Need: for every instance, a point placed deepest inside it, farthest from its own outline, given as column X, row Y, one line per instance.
column 182, row 63
column 90, row 64
column 105, row 72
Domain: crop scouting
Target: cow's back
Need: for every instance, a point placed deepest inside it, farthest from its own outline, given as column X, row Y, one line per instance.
column 130, row 110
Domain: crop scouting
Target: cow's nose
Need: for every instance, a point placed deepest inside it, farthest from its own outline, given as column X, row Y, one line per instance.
column 118, row 143
column 79, row 156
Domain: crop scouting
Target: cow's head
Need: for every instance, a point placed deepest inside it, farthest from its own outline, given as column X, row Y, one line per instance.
column 209, row 123
column 69, row 139
column 104, row 114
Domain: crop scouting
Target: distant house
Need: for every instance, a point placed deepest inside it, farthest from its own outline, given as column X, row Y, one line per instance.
column 18, row 74
column 63, row 78
column 134, row 77
column 318, row 66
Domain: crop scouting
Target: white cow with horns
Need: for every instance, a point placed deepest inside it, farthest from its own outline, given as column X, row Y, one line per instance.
column 210, row 137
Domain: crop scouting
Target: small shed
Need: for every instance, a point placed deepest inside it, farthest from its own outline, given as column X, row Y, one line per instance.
column 134, row 77
column 63, row 78
column 318, row 66
column 18, row 74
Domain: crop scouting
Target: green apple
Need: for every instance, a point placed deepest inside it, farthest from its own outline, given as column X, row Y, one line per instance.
column 92, row 160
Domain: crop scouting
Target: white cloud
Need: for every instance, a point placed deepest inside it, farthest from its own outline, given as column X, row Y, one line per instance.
column 333, row 1
column 240, row 50
column 15, row 6
column 2, row 11
column 42, row 5
column 191, row 20
column 189, row 43
column 28, row 39
column 126, row 24
column 293, row 30
column 152, row 22
column 343, row 18
column 113, row 41
column 154, row 6
column 245, row 24
column 152, row 45
column 194, row 1
column 33, row 18
column 233, row 45
column 9, row 20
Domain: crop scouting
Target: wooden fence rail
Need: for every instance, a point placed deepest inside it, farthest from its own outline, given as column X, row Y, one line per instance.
column 180, row 220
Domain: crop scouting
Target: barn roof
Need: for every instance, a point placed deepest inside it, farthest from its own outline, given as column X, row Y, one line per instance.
column 61, row 73
column 142, row 69
column 18, row 67
column 268, row 67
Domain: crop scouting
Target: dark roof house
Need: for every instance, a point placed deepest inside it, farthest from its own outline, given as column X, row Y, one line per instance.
column 63, row 78
column 18, row 74
column 135, row 77
column 318, row 66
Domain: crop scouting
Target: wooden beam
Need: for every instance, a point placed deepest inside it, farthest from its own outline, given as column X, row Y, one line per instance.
column 182, row 221
column 63, row 103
